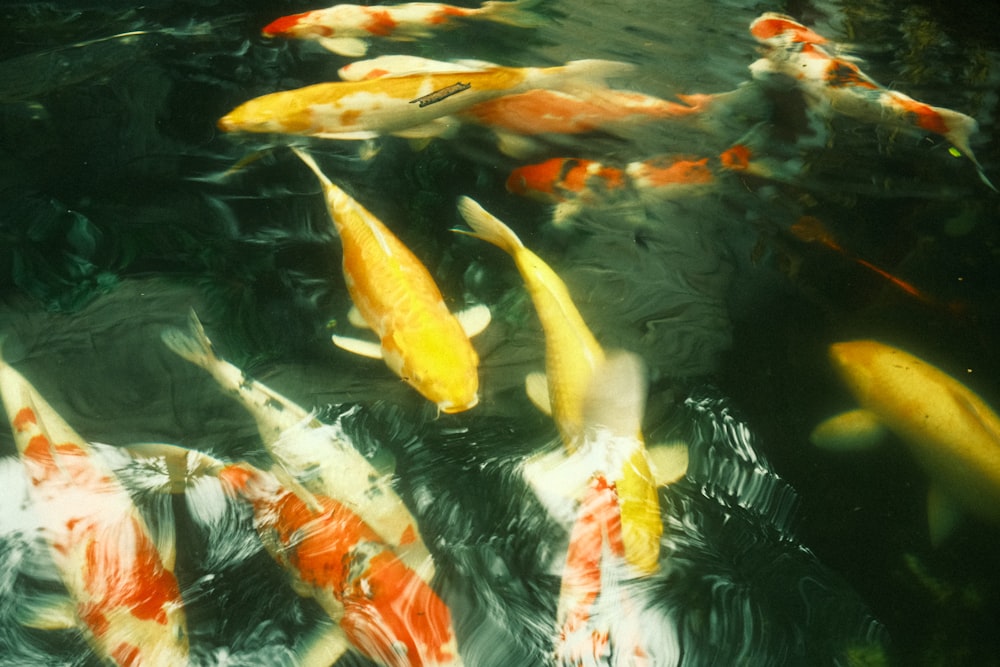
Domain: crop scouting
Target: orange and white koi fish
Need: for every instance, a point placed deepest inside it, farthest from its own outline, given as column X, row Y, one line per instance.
column 346, row 29
column 951, row 432
column 121, row 583
column 572, row 357
column 318, row 456
column 371, row 107
column 838, row 85
column 385, row 609
column 395, row 295
column 573, row 183
column 781, row 30
column 588, row 108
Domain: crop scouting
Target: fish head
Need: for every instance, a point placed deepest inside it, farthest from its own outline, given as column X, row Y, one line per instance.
column 296, row 25
column 444, row 369
column 857, row 363
column 276, row 112
column 781, row 30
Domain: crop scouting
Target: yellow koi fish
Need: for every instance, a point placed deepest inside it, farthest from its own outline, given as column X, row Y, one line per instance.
column 122, row 586
column 318, row 456
column 395, row 295
column 346, row 29
column 572, row 358
column 952, row 433
column 371, row 107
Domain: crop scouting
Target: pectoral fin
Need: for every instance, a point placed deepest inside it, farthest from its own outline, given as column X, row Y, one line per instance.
column 48, row 611
column 356, row 319
column 474, row 319
column 536, row 385
column 365, row 348
column 345, row 46
column 942, row 514
column 442, row 126
column 668, row 461
column 323, row 647
column 854, row 430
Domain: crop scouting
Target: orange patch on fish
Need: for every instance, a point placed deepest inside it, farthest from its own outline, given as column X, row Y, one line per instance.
column 24, row 419
column 926, row 116
column 380, row 23
column 677, row 172
column 736, row 157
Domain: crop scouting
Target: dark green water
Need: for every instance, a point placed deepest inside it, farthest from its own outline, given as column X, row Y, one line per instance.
column 117, row 217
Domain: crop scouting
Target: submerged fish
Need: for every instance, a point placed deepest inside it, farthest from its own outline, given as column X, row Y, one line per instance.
column 952, row 433
column 345, row 29
column 572, row 358
column 574, row 183
column 120, row 581
column 395, row 295
column 368, row 108
column 318, row 456
column 838, row 85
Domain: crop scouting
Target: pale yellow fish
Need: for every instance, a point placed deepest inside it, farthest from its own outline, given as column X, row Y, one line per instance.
column 573, row 359
column 371, row 107
column 952, row 433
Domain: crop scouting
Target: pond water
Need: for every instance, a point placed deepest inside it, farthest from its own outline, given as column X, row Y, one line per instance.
column 123, row 207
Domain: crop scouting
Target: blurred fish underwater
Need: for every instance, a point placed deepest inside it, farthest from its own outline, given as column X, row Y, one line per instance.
column 722, row 189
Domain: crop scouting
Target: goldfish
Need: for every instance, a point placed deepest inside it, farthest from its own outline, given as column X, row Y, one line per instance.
column 318, row 456
column 395, row 295
column 368, row 108
column 572, row 358
column 950, row 431
column 347, row 29
column 124, row 594
column 835, row 84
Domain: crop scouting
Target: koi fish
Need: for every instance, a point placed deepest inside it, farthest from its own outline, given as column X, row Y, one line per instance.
column 952, row 433
column 368, row 108
column 573, row 183
column 318, row 456
column 836, row 84
column 122, row 586
column 537, row 111
column 346, row 29
column 397, row 298
column 572, row 358
column 810, row 229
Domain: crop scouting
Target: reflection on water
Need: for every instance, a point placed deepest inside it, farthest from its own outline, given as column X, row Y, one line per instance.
column 728, row 271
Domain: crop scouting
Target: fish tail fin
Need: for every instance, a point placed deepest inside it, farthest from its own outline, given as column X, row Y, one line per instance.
column 960, row 130
column 311, row 163
column 515, row 13
column 487, row 227
column 194, row 345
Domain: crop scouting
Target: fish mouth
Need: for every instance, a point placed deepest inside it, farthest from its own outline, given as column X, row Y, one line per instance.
column 450, row 408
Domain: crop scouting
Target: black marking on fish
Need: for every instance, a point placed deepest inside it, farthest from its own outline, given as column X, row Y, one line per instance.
column 440, row 94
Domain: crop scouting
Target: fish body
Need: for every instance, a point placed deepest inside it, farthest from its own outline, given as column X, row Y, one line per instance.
column 345, row 28
column 319, row 456
column 571, row 351
column 385, row 609
column 124, row 592
column 951, row 432
column 838, row 85
column 573, row 359
column 370, row 107
column 421, row 341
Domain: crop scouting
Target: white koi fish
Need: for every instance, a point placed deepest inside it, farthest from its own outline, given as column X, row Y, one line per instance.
column 395, row 296
column 837, row 84
column 379, row 605
column 368, row 108
column 318, row 456
column 346, row 29
column 952, row 433
column 122, row 586
column 572, row 357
